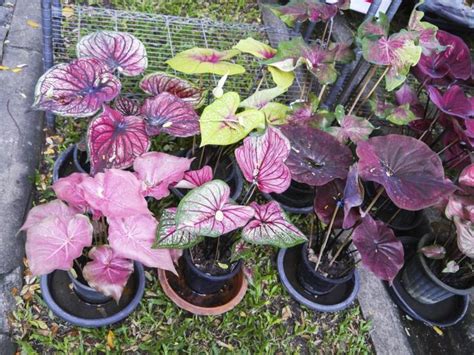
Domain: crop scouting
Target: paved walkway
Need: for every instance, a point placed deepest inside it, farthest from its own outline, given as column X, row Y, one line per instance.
column 20, row 141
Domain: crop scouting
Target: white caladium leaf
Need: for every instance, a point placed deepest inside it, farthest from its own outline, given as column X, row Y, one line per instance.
column 208, row 212
column 465, row 236
column 170, row 236
column 434, row 251
column 132, row 238
column 451, row 267
column 107, row 272
column 262, row 161
column 121, row 51
column 271, row 227
column 55, row 242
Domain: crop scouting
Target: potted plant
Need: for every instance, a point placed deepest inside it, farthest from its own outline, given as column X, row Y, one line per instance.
column 209, row 226
column 95, row 236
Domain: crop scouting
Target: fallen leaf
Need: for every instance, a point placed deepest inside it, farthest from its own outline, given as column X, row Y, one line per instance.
column 16, row 70
column 32, row 24
column 4, row 67
column 438, row 330
column 110, row 339
column 286, row 313
column 224, row 345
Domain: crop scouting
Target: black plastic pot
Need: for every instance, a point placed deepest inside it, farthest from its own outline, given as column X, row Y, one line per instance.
column 445, row 313
column 86, row 293
column 298, row 198
column 227, row 171
column 72, row 160
column 69, row 302
column 422, row 284
column 204, row 283
column 339, row 298
column 313, row 281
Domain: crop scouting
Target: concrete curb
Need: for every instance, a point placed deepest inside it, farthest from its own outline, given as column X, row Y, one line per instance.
column 21, row 139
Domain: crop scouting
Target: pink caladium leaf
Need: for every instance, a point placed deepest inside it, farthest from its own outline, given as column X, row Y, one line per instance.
column 121, row 51
column 320, row 11
column 167, row 113
column 316, row 157
column 326, row 199
column 207, row 210
column 271, row 227
column 465, row 236
column 460, row 204
column 170, row 236
column 262, row 161
column 77, row 89
column 107, row 272
column 55, row 208
column 342, row 52
column 56, row 241
column 381, row 252
column 126, row 106
column 352, row 128
column 159, row 82
column 115, row 193
column 353, row 198
column 195, row 178
column 114, row 140
column 423, row 31
column 453, row 101
column 434, row 251
column 157, row 171
column 68, row 189
column 132, row 237
column 321, row 62
column 411, row 173
column 467, row 176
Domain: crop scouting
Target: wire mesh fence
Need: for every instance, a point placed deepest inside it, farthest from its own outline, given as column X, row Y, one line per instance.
column 164, row 36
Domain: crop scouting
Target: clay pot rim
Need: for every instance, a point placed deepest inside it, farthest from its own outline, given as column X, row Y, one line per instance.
column 198, row 310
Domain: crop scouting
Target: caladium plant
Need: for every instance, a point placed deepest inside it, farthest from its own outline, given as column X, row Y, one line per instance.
column 351, row 127
column 127, row 106
column 453, row 101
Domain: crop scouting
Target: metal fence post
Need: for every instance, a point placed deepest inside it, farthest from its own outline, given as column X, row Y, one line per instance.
column 48, row 59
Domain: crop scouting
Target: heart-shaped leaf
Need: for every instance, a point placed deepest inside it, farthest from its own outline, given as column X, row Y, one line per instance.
column 401, row 115
column 281, row 78
column 460, row 204
column 465, row 236
column 207, row 211
column 158, row 171
column 351, row 127
column 411, row 173
column 374, row 27
column 321, row 11
column 205, row 60
column 467, row 176
column 326, row 199
column 457, row 55
column 55, row 208
column 276, row 114
column 107, row 272
column 424, row 31
column 159, row 82
column 288, row 53
column 170, row 236
column 132, row 238
column 126, row 106
column 221, row 125
column 381, row 252
column 167, row 113
column 295, row 10
column 56, row 241
column 453, row 101
column 316, row 157
column 262, row 161
column 261, row 98
column 121, row 51
column 114, row 140
column 406, row 95
column 255, row 48
column 115, row 193
column 195, row 178
column 271, row 227
column 353, row 198
column 321, row 62
column 68, row 189
column 77, row 89
column 436, row 252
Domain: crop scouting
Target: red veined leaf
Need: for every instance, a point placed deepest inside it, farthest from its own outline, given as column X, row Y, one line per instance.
column 195, row 178
column 126, row 106
column 170, row 236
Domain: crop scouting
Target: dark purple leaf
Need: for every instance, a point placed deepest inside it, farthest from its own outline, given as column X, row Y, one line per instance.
column 77, row 89
column 453, row 101
column 411, row 173
column 406, row 95
column 456, row 54
column 271, row 227
column 114, row 140
column 326, row 199
column 353, row 198
column 316, row 157
column 126, row 106
column 157, row 83
column 169, row 114
column 381, row 252
column 262, row 161
column 121, row 51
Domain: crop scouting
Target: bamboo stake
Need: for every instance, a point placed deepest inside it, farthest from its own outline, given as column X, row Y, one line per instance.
column 328, row 233
column 366, row 81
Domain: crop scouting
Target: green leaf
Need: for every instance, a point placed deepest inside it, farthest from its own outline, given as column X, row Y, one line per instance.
column 255, row 48
column 275, row 113
column 260, row 98
column 283, row 79
column 169, row 236
column 401, row 115
column 204, row 60
column 220, row 125
column 288, row 53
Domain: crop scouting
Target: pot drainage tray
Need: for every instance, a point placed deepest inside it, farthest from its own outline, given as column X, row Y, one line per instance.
column 445, row 313
column 339, row 298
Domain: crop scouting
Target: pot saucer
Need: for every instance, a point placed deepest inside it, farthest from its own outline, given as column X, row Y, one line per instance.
column 205, row 305
column 338, row 299
column 57, row 292
column 444, row 314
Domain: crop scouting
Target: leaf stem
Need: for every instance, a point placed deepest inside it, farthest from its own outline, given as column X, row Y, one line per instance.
column 201, row 157
column 311, row 230
column 264, row 71
column 448, row 146
column 321, row 93
column 341, row 248
column 219, row 154
column 326, row 238
column 366, row 81
column 373, row 89
column 373, row 202
column 249, row 194
column 429, row 128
